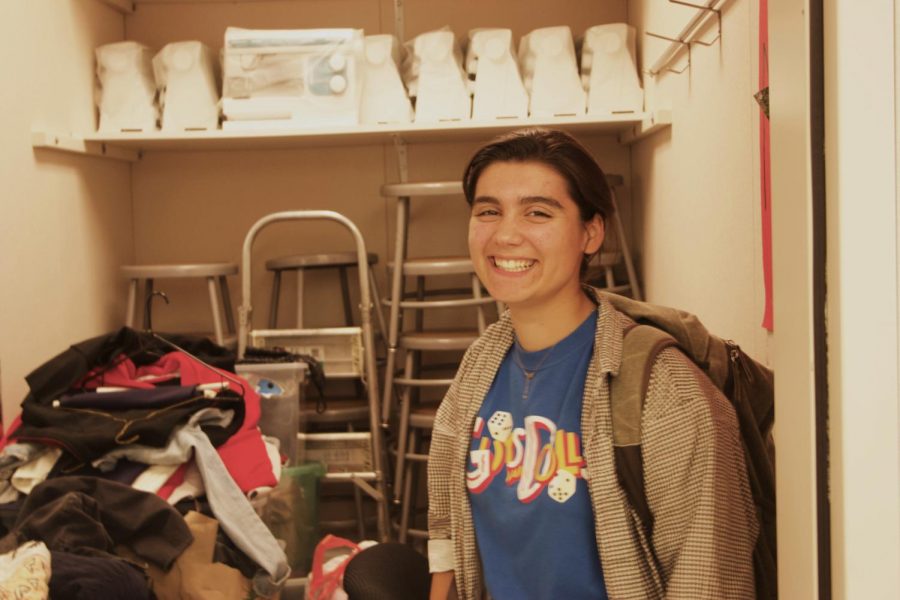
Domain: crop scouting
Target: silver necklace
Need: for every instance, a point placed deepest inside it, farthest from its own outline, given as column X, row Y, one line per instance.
column 530, row 373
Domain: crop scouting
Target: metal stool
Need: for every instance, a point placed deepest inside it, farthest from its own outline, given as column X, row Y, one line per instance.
column 215, row 275
column 421, row 421
column 414, row 419
column 608, row 260
column 600, row 273
column 303, row 262
column 420, row 268
column 413, row 342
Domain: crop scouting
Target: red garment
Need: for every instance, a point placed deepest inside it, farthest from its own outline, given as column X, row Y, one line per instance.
column 244, row 454
column 17, row 421
column 174, row 480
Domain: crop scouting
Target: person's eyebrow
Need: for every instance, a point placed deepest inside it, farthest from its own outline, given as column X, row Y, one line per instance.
column 486, row 200
column 541, row 200
column 526, row 200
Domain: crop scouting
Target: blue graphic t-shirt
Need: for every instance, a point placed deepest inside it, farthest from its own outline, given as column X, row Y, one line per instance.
column 533, row 518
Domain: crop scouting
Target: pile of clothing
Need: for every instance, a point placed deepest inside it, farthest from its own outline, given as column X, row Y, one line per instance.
column 142, row 452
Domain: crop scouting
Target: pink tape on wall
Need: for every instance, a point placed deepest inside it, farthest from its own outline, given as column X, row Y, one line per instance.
column 765, row 161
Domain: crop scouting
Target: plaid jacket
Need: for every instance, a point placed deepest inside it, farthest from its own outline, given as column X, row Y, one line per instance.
column 705, row 523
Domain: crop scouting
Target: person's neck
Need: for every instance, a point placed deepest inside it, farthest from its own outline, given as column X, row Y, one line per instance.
column 542, row 326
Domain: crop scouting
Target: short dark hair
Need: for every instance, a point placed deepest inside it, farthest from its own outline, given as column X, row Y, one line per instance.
column 559, row 151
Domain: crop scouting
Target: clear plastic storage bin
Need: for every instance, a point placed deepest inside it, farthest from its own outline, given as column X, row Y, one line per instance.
column 280, row 388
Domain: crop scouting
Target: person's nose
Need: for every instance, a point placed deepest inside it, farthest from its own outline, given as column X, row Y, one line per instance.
column 508, row 231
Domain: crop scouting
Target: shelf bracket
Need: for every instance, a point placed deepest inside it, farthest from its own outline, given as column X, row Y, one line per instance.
column 123, row 6
column 657, row 121
column 689, row 35
column 677, row 43
column 77, row 145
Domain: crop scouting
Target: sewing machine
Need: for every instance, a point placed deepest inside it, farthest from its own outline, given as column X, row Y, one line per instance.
column 291, row 78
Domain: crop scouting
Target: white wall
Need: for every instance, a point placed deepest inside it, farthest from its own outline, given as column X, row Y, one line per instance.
column 792, row 352
column 861, row 136
column 696, row 186
column 65, row 220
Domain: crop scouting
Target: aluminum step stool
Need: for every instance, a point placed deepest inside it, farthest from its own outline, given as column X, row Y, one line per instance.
column 344, row 352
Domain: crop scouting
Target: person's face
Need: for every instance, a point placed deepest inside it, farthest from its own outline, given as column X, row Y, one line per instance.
column 526, row 236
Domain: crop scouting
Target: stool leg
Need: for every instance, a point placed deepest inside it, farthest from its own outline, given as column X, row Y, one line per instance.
column 216, row 314
column 273, row 303
column 376, row 305
column 358, row 503
column 479, row 309
column 148, row 291
column 299, row 298
column 396, row 296
column 345, row 296
column 226, row 303
column 348, row 315
column 420, row 326
column 407, row 504
column 610, row 280
column 132, row 300
column 420, row 296
column 403, row 427
column 626, row 253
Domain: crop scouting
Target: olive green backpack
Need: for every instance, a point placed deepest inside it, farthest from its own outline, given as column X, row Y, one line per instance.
column 747, row 384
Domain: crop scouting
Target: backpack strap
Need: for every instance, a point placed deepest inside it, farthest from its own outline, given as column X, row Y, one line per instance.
column 641, row 345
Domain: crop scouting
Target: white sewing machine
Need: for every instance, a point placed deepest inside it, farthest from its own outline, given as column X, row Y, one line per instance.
column 384, row 99
column 434, row 76
column 188, row 88
column 498, row 89
column 128, row 91
column 609, row 71
column 291, row 78
column 550, row 72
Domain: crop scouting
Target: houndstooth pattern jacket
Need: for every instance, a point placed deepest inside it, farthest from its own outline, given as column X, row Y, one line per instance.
column 705, row 522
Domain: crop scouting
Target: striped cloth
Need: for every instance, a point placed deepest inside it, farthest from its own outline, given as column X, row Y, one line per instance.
column 705, row 523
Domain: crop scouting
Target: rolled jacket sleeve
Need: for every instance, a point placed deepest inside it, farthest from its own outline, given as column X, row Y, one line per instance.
column 440, row 556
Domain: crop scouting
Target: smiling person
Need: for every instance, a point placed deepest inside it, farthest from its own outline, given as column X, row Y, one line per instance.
column 524, row 500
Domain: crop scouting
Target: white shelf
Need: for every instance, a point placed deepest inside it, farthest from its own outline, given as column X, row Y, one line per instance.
column 655, row 121
column 130, row 146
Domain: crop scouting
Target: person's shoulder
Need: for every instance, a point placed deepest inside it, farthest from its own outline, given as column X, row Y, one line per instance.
column 677, row 382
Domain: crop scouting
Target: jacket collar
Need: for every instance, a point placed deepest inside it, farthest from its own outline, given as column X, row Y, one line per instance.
column 608, row 336
column 610, row 332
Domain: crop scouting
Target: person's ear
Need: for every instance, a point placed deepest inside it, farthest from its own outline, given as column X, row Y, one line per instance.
column 595, row 233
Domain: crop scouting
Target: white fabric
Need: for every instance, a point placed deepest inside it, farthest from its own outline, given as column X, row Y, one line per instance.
column 153, row 478
column 440, row 556
column 25, row 572
column 34, row 472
